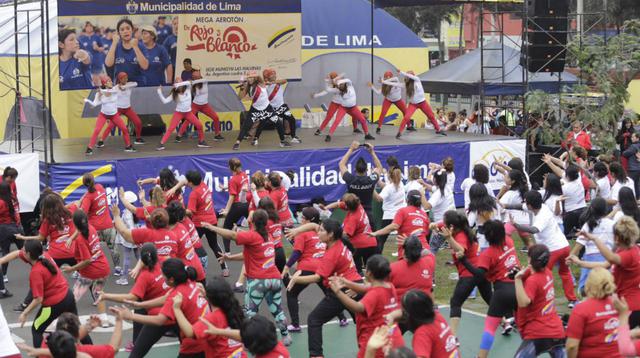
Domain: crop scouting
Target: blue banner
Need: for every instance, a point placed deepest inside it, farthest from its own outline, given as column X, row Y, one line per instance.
column 168, row 7
column 317, row 173
column 66, row 179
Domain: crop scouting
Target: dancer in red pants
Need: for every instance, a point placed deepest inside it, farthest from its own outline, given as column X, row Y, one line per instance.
column 392, row 92
column 348, row 99
column 107, row 98
column 336, row 102
column 124, row 109
column 181, row 94
column 200, row 93
column 417, row 100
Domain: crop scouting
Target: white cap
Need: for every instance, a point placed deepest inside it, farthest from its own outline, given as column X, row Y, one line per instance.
column 131, row 196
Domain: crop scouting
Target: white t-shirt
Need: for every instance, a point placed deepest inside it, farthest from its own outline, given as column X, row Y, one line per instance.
column 413, row 185
column 615, row 188
column 441, row 203
column 549, row 233
column 7, row 347
column 604, row 231
column 551, row 204
column 451, row 180
column 466, row 187
column 510, row 198
column 472, row 217
column 393, row 199
column 604, row 187
column 574, row 191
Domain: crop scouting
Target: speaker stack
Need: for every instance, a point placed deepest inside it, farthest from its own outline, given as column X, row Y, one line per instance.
column 546, row 37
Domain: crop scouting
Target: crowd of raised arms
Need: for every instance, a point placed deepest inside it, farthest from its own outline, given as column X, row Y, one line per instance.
column 584, row 214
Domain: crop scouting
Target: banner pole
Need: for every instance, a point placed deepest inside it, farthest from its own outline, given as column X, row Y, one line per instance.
column 371, row 116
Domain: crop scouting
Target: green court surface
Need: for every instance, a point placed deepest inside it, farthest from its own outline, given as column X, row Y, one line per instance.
column 341, row 342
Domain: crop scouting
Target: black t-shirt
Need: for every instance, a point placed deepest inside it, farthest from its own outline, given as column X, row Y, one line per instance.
column 362, row 186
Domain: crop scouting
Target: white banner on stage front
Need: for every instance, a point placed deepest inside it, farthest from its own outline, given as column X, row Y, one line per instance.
column 28, row 181
column 502, row 151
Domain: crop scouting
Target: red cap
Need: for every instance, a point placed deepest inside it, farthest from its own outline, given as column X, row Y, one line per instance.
column 268, row 72
column 104, row 79
column 121, row 75
column 388, row 74
column 333, row 74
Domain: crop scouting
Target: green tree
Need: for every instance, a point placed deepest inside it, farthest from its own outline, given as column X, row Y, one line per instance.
column 606, row 69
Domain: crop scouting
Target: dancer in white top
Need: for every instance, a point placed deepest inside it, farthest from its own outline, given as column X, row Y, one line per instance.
column 336, row 102
column 124, row 88
column 348, row 106
column 417, row 100
column 252, row 86
column 200, row 93
column 275, row 92
column 107, row 97
column 181, row 94
column 392, row 92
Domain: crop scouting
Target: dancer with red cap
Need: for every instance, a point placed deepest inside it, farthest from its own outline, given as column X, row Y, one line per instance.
column 123, row 103
column 417, row 100
column 107, row 97
column 392, row 91
column 200, row 93
column 336, row 102
column 181, row 94
column 347, row 92
column 275, row 92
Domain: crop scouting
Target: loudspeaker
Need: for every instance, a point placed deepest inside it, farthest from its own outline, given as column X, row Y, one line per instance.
column 546, row 38
column 152, row 125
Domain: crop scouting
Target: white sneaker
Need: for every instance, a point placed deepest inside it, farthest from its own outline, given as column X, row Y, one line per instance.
column 394, row 254
column 6, row 279
column 122, row 281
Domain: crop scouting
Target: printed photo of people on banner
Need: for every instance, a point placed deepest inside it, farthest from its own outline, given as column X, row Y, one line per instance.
column 141, row 40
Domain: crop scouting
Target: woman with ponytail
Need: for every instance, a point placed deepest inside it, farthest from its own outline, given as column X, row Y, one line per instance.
column 166, row 179
column 92, row 265
column 237, row 206
column 150, row 285
column 391, row 90
column 9, row 227
column 415, row 271
column 220, row 328
column 337, row 260
column 180, row 279
column 48, row 286
column 263, row 278
column 186, row 251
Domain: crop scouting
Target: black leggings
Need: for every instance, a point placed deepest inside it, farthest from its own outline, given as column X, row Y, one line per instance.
column 327, row 308
column 634, row 319
column 281, row 258
column 46, row 315
column 503, row 301
column 259, row 118
column 289, row 121
column 148, row 336
column 382, row 239
column 571, row 222
column 534, row 347
column 292, row 298
column 236, row 212
column 7, row 237
column 212, row 239
column 360, row 257
column 463, row 289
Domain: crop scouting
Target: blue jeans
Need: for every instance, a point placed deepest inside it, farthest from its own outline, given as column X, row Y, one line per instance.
column 534, row 347
column 584, row 272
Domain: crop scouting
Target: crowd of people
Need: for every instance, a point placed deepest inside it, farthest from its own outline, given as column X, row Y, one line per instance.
column 585, row 214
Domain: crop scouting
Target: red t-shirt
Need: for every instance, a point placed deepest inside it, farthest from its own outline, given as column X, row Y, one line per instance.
column 470, row 252
column 186, row 252
column 218, row 346
column 194, row 305
column 14, row 192
column 311, row 249
column 435, row 340
column 97, row 350
column 96, row 206
column 378, row 301
column 338, row 260
column 176, row 196
column 259, row 255
column 201, row 206
column 356, row 227
column 52, row 288
column 280, row 351
column 281, row 200
column 595, row 323
column 627, row 276
column 275, row 233
column 5, row 216
column 90, row 249
column 237, row 183
column 195, row 238
column 261, row 194
column 164, row 240
column 418, row 276
column 150, row 284
column 540, row 319
column 412, row 220
column 142, row 213
column 58, row 239
column 498, row 261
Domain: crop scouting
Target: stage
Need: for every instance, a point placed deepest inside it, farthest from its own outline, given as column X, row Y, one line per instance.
column 314, row 161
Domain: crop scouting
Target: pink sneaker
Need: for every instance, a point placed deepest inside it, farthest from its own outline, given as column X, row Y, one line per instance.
column 129, row 347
